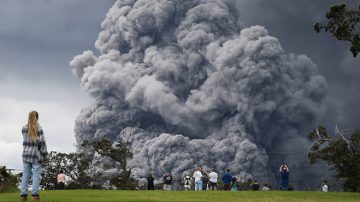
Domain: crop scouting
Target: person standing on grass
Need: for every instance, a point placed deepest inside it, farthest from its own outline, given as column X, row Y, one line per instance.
column 213, row 178
column 284, row 172
column 325, row 187
column 187, row 182
column 205, row 181
column 167, row 181
column 227, row 179
column 150, row 182
column 60, row 180
column 34, row 153
column 234, row 184
column 197, row 177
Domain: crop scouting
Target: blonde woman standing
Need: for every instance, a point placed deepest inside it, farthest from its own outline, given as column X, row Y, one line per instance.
column 34, row 152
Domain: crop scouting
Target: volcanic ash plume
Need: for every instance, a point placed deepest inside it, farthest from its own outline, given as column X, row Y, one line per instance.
column 204, row 90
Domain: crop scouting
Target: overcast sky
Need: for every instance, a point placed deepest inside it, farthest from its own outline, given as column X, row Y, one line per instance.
column 38, row 38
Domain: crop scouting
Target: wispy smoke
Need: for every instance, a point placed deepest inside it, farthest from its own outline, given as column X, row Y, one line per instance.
column 205, row 90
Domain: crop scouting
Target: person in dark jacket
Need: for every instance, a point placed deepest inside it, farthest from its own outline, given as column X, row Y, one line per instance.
column 150, row 181
column 227, row 179
column 167, row 181
column 205, row 180
column 284, row 173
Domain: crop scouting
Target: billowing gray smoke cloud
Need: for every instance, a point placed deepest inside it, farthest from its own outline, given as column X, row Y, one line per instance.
column 205, row 90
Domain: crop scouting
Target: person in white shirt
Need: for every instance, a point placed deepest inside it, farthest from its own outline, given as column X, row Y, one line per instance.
column 213, row 180
column 198, row 182
column 325, row 187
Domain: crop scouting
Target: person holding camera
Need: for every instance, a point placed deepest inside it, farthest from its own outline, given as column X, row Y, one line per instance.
column 284, row 173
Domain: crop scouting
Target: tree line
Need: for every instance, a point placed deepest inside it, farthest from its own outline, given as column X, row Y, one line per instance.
column 342, row 153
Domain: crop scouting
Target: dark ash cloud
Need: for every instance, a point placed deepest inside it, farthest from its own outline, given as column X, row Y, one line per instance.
column 206, row 90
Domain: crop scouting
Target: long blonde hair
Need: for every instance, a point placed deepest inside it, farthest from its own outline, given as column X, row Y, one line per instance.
column 33, row 125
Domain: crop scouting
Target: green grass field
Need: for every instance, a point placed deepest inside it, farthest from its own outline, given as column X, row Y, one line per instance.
column 221, row 196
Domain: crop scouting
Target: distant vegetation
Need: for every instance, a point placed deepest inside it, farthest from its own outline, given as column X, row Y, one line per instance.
column 75, row 165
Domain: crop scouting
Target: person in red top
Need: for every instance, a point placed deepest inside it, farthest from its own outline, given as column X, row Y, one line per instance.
column 61, row 180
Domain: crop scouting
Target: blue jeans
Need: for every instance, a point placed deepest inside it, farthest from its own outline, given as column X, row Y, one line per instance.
column 198, row 185
column 35, row 170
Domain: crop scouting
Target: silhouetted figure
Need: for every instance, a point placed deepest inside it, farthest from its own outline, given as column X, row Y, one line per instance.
column 150, row 182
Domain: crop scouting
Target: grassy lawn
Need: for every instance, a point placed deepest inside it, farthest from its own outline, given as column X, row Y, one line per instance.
column 112, row 196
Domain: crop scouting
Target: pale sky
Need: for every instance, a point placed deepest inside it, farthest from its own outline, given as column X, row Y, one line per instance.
column 37, row 41
column 38, row 38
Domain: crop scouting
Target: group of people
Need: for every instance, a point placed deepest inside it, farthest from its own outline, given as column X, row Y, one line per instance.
column 202, row 180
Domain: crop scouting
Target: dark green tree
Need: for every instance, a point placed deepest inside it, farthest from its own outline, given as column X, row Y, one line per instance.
column 78, row 169
column 344, row 24
column 341, row 154
column 119, row 152
column 51, row 167
column 75, row 165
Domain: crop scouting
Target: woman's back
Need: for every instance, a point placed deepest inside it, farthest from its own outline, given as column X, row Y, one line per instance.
column 33, row 151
